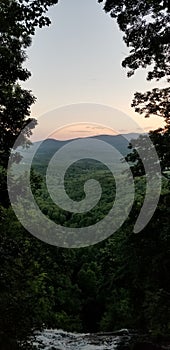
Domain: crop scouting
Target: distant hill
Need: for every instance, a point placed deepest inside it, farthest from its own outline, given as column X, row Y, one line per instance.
column 48, row 147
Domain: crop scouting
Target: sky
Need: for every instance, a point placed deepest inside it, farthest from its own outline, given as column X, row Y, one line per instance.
column 77, row 61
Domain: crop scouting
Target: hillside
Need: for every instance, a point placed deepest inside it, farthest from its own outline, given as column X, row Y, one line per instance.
column 48, row 147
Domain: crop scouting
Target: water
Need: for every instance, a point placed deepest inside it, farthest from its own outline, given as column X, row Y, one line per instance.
column 60, row 340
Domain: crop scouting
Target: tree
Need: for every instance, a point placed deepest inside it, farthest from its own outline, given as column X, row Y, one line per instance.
column 145, row 25
column 18, row 21
column 161, row 140
column 146, row 32
column 155, row 102
column 25, row 297
column 23, row 302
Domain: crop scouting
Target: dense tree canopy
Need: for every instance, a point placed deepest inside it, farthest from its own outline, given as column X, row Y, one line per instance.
column 107, row 286
column 146, row 28
column 18, row 21
column 155, row 102
column 145, row 25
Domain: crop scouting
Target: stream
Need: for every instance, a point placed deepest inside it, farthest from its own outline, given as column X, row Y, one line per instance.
column 124, row 339
column 60, row 340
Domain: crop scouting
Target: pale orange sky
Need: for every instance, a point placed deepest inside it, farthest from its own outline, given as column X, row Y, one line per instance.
column 84, row 130
column 78, row 60
column 81, row 130
column 84, row 120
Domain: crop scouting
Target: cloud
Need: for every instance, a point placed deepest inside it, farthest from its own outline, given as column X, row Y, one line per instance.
column 79, row 131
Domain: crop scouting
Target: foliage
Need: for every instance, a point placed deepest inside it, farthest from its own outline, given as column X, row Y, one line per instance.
column 155, row 102
column 145, row 25
column 109, row 286
column 98, row 288
column 24, row 290
column 18, row 20
column 161, row 140
column 121, row 282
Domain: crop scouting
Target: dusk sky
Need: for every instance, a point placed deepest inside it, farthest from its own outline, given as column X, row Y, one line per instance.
column 78, row 60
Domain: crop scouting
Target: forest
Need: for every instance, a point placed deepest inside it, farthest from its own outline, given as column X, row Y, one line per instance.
column 123, row 281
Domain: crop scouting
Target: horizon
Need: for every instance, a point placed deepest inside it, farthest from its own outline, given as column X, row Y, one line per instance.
column 78, row 60
column 82, row 120
column 90, row 136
